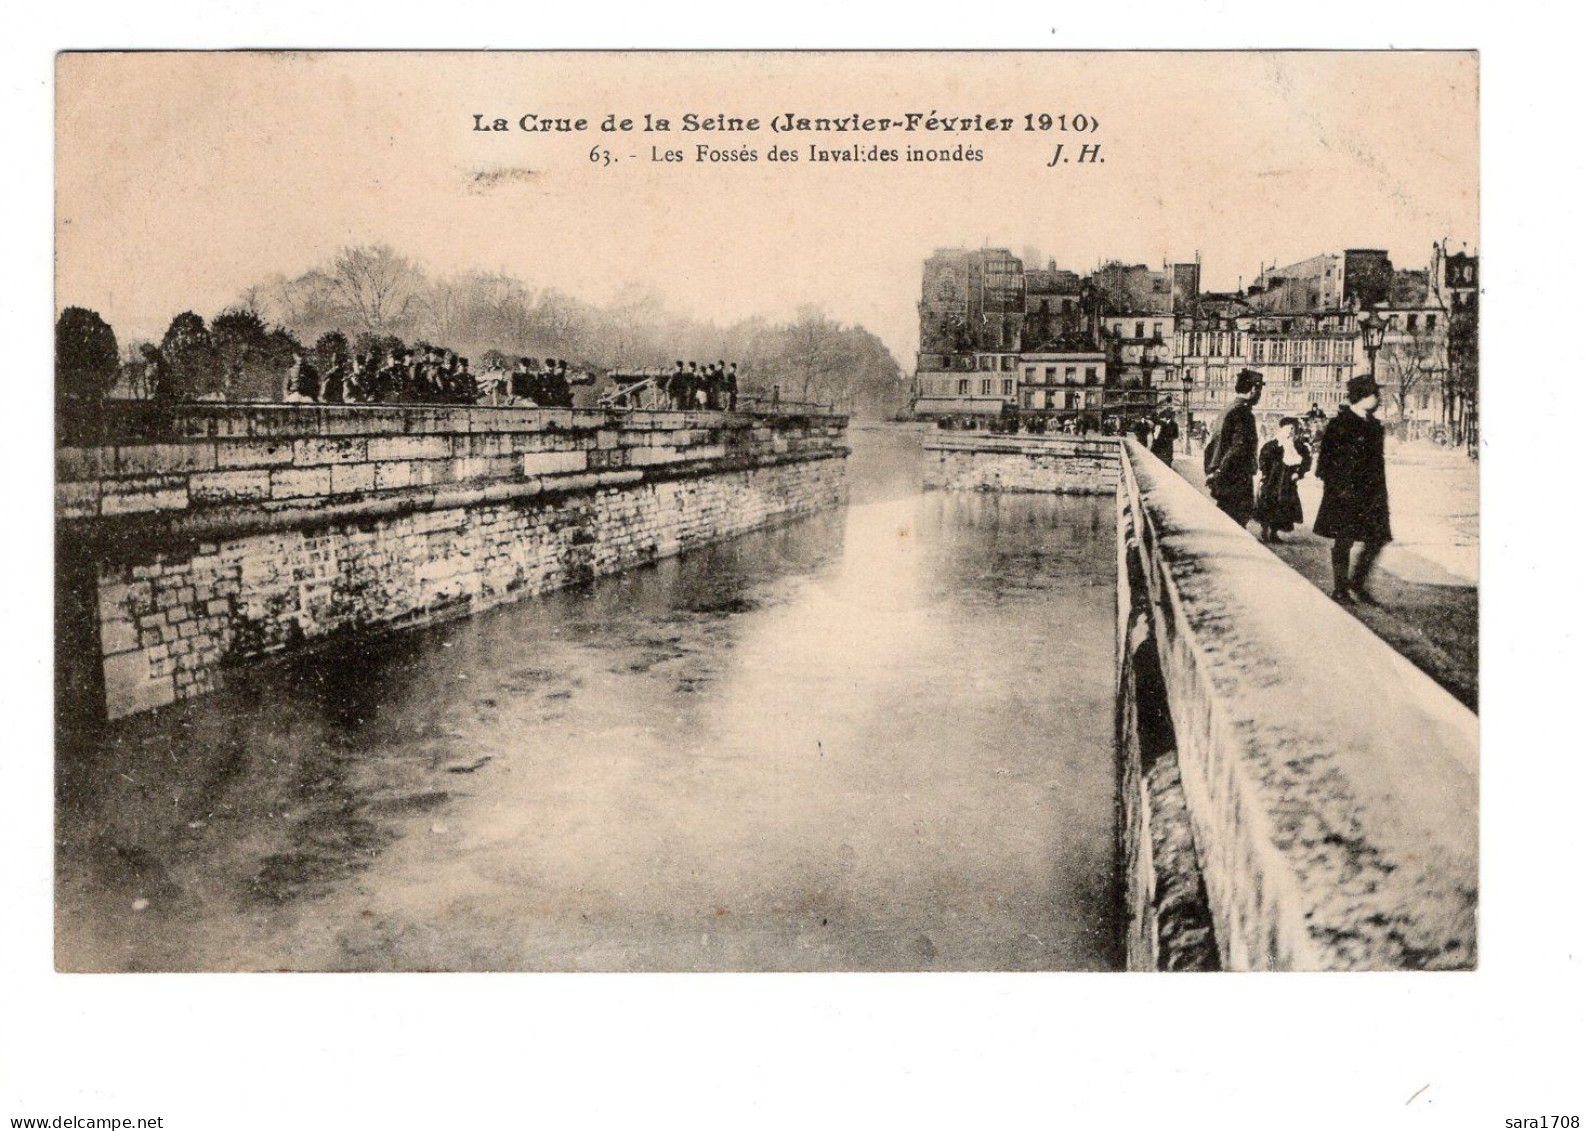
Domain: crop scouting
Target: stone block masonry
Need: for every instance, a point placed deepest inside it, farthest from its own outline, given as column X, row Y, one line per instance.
column 1067, row 465
column 1295, row 794
column 1292, row 793
column 262, row 529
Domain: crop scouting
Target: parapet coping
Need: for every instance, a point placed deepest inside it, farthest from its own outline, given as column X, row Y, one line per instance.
column 1020, row 445
column 132, row 534
column 1357, row 776
column 137, row 422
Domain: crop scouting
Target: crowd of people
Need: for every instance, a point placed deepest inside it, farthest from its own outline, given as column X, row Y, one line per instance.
column 546, row 385
column 431, row 375
column 1158, row 429
column 400, row 375
column 1355, row 507
column 713, row 386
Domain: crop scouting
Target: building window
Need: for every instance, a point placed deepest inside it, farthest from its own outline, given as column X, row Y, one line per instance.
column 963, row 386
column 1049, row 372
column 988, row 386
column 1092, row 375
column 1336, row 375
column 1139, row 333
column 1009, row 387
column 1429, row 322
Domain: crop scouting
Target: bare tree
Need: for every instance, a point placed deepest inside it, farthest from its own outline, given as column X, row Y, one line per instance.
column 630, row 319
column 1409, row 359
column 376, row 286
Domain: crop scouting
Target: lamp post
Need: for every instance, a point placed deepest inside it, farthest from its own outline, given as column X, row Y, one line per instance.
column 1374, row 331
column 1186, row 405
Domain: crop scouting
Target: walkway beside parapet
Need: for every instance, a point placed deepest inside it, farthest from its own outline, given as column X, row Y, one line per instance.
column 1331, row 787
column 1427, row 613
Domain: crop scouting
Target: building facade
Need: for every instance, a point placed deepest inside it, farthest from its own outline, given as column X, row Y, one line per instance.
column 1125, row 341
column 1064, row 382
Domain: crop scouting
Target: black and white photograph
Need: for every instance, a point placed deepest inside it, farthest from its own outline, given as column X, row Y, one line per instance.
column 553, row 589
column 561, row 514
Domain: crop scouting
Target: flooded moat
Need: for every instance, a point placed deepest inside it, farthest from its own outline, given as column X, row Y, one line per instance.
column 875, row 739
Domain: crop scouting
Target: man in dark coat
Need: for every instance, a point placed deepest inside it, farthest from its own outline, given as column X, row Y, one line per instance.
column 1163, row 443
column 1232, row 456
column 1355, row 506
column 675, row 386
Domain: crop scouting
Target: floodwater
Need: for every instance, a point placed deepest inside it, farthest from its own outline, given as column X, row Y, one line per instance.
column 875, row 739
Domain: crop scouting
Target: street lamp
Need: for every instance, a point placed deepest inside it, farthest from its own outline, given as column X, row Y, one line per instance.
column 1374, row 331
column 1186, row 404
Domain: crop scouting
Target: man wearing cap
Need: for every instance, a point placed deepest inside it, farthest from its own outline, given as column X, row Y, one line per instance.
column 1355, row 506
column 1232, row 457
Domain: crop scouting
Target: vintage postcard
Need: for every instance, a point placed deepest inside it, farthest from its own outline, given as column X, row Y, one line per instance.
column 733, row 511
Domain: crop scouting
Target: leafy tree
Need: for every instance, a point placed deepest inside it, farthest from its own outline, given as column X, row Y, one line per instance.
column 330, row 348
column 381, row 344
column 239, row 337
column 189, row 366
column 86, row 365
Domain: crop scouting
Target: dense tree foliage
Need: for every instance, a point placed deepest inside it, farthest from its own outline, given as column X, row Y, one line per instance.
column 189, row 366
column 86, row 365
column 239, row 336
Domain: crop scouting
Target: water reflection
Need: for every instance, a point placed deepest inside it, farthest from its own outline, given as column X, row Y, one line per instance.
column 875, row 739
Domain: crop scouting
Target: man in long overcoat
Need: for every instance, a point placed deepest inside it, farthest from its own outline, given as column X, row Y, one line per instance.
column 1163, row 440
column 1232, row 456
column 1355, row 507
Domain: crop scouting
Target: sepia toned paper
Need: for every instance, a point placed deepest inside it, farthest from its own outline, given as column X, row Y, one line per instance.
column 876, row 724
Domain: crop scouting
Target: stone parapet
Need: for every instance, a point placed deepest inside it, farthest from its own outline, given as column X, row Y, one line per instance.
column 980, row 461
column 199, row 457
column 1290, row 783
column 219, row 534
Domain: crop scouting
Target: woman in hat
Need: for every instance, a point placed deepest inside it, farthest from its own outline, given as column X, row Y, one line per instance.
column 1282, row 462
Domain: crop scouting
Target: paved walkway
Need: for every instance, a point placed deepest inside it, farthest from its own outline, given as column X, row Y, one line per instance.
column 1428, row 580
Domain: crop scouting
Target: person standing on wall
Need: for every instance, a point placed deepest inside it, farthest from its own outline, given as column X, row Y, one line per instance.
column 1282, row 462
column 1355, row 506
column 1232, row 455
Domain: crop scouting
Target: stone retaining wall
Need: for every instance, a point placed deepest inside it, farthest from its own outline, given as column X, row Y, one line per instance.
column 1295, row 794
column 220, row 534
column 1067, row 465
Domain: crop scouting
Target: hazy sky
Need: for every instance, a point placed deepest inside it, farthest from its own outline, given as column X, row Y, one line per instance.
column 182, row 179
